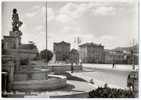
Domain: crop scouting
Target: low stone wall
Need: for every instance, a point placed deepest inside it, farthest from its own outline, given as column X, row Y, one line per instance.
column 65, row 68
column 53, row 82
column 31, row 75
column 60, row 68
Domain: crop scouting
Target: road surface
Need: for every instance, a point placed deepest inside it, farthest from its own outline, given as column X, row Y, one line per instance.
column 104, row 73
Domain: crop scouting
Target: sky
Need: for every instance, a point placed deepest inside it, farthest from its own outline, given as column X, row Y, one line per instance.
column 112, row 24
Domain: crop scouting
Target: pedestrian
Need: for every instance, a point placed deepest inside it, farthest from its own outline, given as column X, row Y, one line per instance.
column 71, row 67
column 113, row 65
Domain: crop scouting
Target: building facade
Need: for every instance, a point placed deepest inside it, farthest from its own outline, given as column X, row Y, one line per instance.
column 122, row 55
column 61, row 51
column 115, row 57
column 91, row 53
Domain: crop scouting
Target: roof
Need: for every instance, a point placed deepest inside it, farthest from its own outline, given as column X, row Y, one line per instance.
column 90, row 44
column 62, row 42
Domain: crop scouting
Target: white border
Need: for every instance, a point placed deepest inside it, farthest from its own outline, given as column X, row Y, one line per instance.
column 75, row 1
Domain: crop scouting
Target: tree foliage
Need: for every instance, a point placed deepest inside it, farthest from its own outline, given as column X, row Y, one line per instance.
column 24, row 61
column 74, row 56
column 46, row 55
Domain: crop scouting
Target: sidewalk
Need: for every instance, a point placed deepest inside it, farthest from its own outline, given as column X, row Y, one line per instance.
column 118, row 67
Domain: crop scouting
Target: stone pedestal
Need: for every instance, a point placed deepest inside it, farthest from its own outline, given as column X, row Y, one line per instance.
column 17, row 35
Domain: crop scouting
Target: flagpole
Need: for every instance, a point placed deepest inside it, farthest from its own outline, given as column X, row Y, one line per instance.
column 46, row 26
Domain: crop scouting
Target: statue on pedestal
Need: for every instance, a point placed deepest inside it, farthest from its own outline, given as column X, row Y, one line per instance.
column 16, row 22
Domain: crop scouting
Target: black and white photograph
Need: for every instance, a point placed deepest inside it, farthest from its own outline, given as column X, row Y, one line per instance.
column 70, row 49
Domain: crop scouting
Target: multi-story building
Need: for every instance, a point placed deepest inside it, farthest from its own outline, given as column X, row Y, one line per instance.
column 122, row 55
column 114, row 57
column 91, row 53
column 61, row 51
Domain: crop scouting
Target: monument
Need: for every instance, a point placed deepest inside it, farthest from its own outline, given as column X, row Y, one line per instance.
column 33, row 77
column 12, row 44
column 16, row 22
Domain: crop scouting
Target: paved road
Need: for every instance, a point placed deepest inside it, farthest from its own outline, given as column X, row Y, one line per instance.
column 120, row 67
column 100, row 75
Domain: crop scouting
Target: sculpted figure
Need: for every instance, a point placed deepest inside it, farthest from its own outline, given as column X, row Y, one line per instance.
column 16, row 22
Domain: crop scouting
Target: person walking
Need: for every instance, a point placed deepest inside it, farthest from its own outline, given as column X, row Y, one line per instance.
column 71, row 67
column 113, row 65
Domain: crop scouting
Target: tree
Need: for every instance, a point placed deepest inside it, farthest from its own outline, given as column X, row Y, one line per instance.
column 74, row 56
column 65, row 57
column 46, row 55
column 37, row 57
column 24, row 61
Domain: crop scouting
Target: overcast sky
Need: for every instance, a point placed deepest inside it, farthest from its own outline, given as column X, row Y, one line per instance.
column 112, row 24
